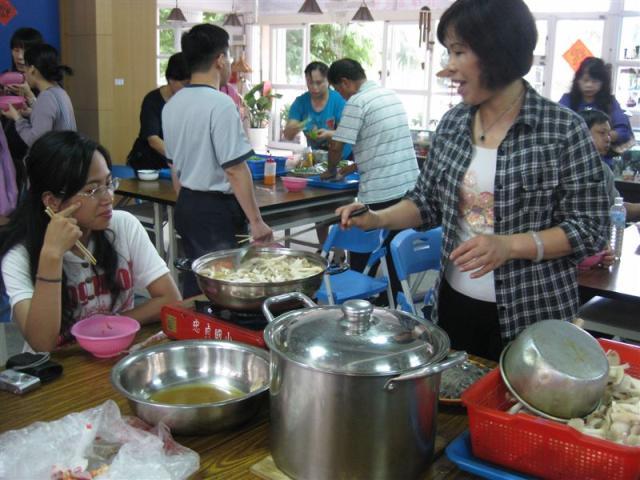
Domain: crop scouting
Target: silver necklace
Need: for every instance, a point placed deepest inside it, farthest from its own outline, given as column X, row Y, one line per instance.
column 483, row 135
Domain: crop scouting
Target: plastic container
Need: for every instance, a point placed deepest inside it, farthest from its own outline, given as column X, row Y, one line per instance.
column 17, row 101
column 269, row 172
column 11, row 78
column 618, row 217
column 540, row 447
column 256, row 165
column 294, row 184
column 105, row 335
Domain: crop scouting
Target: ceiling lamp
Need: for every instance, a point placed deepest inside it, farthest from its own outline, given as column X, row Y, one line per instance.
column 176, row 15
column 241, row 65
column 232, row 20
column 310, row 6
column 363, row 14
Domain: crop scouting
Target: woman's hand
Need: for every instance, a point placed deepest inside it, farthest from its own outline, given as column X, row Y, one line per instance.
column 62, row 232
column 482, row 254
column 324, row 134
column 366, row 221
column 11, row 113
column 21, row 89
column 608, row 259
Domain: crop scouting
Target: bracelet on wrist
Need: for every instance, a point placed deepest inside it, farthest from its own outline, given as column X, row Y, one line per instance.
column 48, row 280
column 539, row 246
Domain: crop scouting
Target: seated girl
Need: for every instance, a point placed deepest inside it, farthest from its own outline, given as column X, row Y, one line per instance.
column 49, row 282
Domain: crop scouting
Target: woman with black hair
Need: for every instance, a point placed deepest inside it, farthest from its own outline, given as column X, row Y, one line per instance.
column 591, row 88
column 21, row 40
column 148, row 149
column 49, row 282
column 514, row 180
column 52, row 109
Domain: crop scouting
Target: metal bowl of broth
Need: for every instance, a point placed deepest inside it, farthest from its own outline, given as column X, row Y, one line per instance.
column 195, row 387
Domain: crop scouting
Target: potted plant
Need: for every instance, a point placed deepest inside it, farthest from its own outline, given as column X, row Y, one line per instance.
column 259, row 101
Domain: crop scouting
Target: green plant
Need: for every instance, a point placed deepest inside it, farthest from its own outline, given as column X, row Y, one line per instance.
column 259, row 101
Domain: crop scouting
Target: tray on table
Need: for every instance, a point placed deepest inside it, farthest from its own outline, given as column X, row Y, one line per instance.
column 349, row 181
column 459, row 452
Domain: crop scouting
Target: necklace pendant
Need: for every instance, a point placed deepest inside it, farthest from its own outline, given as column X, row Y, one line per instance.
column 482, row 138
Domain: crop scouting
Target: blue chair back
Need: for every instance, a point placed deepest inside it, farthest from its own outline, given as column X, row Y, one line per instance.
column 354, row 239
column 414, row 251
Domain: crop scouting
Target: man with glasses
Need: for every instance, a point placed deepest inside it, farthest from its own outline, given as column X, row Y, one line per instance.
column 205, row 140
column 317, row 112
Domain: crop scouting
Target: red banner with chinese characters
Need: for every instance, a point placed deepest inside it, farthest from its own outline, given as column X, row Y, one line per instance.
column 576, row 54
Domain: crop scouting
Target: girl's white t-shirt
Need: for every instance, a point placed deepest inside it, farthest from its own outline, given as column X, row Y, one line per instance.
column 475, row 217
column 138, row 266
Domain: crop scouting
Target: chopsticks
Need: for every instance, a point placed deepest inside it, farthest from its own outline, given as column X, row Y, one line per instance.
column 328, row 221
column 86, row 253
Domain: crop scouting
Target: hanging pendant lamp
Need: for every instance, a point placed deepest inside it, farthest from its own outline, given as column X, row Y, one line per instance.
column 232, row 20
column 176, row 15
column 363, row 14
column 310, row 6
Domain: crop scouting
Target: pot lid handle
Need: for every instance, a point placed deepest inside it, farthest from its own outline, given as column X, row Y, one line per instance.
column 451, row 360
column 286, row 297
column 357, row 316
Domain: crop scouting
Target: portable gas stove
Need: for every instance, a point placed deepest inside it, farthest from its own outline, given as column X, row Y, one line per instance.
column 197, row 318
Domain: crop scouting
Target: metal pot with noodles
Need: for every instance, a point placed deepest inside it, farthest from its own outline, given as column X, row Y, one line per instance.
column 266, row 272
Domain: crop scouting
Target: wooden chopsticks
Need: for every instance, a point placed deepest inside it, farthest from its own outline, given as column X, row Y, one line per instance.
column 86, row 253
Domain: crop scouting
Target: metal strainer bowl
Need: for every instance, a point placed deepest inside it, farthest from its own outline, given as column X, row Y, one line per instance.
column 555, row 369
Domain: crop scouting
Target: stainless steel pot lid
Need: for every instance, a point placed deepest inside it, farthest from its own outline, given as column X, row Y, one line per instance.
column 356, row 338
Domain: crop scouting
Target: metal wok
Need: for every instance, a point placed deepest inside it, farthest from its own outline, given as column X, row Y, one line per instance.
column 249, row 296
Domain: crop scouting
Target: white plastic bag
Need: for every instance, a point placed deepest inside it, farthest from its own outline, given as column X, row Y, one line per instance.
column 98, row 438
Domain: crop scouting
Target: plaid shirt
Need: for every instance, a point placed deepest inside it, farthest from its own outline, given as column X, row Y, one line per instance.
column 548, row 174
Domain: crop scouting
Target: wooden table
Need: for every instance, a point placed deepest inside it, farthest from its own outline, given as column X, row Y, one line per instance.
column 621, row 280
column 85, row 384
column 280, row 209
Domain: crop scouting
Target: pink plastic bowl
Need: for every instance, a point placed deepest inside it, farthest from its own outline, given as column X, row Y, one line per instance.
column 294, row 184
column 591, row 261
column 105, row 335
column 11, row 78
column 17, row 101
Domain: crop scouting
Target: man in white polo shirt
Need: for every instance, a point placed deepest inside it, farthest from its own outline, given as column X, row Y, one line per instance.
column 374, row 121
column 203, row 136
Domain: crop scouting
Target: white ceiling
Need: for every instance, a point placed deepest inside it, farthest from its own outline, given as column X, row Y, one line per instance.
column 284, row 7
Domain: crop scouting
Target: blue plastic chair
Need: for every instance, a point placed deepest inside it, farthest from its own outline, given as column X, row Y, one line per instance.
column 348, row 284
column 415, row 252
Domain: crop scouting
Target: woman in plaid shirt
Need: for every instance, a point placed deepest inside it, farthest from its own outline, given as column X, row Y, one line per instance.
column 514, row 180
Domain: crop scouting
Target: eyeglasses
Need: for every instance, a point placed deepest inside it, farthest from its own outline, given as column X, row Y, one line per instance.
column 100, row 191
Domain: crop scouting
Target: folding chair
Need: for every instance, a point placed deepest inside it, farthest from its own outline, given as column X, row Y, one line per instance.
column 415, row 252
column 348, row 284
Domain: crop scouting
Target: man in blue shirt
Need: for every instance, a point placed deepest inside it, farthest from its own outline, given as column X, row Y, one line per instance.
column 317, row 112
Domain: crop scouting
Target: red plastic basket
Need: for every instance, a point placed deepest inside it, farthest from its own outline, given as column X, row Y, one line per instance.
column 541, row 447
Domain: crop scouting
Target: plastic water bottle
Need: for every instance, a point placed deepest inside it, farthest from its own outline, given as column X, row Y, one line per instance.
column 618, row 216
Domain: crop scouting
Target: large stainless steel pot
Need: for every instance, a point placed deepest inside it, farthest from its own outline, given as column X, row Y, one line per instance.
column 249, row 296
column 354, row 390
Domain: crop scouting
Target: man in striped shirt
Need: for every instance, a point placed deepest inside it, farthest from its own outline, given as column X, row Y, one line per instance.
column 375, row 123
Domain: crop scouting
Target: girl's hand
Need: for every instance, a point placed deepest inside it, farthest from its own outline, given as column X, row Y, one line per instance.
column 62, row 232
column 482, row 254
column 11, row 113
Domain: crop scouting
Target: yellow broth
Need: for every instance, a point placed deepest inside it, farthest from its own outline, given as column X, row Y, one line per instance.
column 195, row 393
